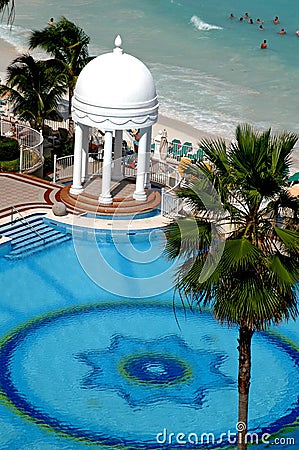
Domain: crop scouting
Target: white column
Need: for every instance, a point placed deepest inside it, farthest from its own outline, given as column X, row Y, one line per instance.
column 117, row 167
column 147, row 181
column 105, row 197
column 85, row 148
column 76, row 187
column 139, row 193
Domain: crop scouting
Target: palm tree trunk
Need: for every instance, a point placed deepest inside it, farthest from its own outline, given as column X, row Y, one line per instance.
column 245, row 337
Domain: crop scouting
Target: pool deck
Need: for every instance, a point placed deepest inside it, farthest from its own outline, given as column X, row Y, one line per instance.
column 25, row 192
column 30, row 195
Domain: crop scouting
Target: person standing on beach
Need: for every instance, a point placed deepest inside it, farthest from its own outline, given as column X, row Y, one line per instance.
column 264, row 44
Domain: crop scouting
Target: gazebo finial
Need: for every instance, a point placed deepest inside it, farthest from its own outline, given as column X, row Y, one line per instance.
column 117, row 44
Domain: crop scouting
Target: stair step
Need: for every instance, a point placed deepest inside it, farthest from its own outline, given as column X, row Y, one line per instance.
column 27, row 239
column 33, row 238
column 18, row 224
column 21, row 232
column 21, row 253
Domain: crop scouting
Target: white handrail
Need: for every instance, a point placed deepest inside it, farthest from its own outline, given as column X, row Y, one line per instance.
column 28, row 224
column 31, row 141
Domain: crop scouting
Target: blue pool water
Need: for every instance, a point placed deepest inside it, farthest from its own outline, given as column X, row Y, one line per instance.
column 105, row 364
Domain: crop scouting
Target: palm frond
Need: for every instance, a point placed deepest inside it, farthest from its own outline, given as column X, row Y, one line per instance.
column 254, row 281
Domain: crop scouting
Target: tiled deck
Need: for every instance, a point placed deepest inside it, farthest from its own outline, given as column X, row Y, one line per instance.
column 29, row 194
column 25, row 192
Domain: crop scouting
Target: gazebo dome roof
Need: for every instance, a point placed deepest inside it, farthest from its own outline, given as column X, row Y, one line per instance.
column 115, row 91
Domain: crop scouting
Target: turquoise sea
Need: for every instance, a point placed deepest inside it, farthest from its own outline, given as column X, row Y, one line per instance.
column 209, row 70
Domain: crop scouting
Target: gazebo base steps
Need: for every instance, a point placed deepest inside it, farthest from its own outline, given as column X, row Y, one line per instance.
column 121, row 205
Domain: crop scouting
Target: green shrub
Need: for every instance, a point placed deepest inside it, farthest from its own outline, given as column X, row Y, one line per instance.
column 9, row 149
column 10, row 166
column 64, row 149
column 48, row 164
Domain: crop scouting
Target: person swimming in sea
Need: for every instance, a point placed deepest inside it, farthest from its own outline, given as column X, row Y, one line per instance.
column 282, row 31
column 264, row 44
column 51, row 21
column 276, row 20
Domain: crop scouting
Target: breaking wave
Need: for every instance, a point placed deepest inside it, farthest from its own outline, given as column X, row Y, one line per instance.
column 203, row 26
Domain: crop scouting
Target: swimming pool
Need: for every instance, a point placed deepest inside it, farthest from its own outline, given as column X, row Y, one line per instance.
column 103, row 362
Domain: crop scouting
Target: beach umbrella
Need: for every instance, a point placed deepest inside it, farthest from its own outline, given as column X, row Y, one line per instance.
column 176, row 144
column 294, row 177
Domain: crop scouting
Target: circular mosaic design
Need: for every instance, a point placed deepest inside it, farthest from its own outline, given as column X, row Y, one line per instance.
column 122, row 374
column 155, row 369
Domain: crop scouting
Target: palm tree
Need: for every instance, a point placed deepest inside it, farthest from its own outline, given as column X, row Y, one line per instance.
column 10, row 6
column 35, row 89
column 253, row 285
column 68, row 44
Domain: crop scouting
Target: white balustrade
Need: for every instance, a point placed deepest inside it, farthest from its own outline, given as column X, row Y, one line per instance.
column 29, row 139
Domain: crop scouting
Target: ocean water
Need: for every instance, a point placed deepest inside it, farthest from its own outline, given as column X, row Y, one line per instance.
column 209, row 70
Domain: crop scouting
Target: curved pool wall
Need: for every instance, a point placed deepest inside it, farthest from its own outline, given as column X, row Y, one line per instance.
column 103, row 234
column 138, row 215
column 87, row 353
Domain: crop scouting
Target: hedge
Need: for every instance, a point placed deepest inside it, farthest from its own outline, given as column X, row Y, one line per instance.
column 10, row 166
column 9, row 149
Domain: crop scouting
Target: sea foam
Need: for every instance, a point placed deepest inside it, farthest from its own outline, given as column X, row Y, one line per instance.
column 18, row 37
column 203, row 26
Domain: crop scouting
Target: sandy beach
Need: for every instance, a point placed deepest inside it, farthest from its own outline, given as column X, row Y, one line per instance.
column 8, row 54
column 177, row 129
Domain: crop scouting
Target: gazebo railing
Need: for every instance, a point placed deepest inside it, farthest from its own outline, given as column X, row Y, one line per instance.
column 160, row 172
column 63, row 167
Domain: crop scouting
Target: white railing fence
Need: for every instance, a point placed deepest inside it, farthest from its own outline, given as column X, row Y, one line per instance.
column 55, row 125
column 170, row 203
column 31, row 144
column 63, row 167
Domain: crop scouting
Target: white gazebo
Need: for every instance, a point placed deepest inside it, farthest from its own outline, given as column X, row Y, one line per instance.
column 114, row 92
